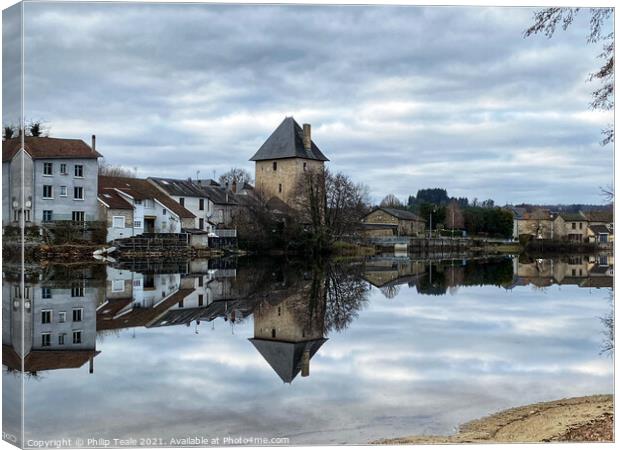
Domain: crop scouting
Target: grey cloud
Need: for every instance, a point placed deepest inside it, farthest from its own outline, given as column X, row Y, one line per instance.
column 178, row 88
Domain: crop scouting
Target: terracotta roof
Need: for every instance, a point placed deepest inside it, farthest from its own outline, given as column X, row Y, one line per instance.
column 113, row 199
column 141, row 189
column 139, row 317
column 287, row 142
column 39, row 360
column 538, row 214
column 46, row 147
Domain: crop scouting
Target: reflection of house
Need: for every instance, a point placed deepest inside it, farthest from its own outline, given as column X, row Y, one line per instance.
column 584, row 271
column 60, row 180
column 58, row 325
column 392, row 222
column 132, row 206
column 385, row 271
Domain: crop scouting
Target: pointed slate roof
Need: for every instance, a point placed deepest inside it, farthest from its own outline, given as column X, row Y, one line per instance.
column 287, row 142
column 285, row 357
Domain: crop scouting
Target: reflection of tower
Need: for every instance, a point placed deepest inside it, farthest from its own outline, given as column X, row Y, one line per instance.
column 288, row 333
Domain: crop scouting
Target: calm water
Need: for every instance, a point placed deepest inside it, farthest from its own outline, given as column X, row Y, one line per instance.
column 322, row 354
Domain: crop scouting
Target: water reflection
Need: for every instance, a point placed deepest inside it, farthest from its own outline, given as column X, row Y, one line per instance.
column 369, row 334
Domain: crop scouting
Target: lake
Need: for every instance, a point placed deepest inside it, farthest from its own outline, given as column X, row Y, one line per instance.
column 330, row 352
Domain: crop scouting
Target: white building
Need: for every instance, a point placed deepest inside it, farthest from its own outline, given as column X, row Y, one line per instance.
column 133, row 206
column 60, row 181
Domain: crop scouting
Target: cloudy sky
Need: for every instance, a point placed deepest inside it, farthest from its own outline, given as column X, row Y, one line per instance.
column 400, row 98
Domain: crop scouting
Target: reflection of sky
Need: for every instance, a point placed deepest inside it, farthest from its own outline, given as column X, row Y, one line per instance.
column 412, row 364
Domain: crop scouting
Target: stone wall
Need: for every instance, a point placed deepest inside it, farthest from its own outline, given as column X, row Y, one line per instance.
column 282, row 179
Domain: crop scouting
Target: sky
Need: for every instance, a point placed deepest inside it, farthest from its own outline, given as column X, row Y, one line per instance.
column 399, row 98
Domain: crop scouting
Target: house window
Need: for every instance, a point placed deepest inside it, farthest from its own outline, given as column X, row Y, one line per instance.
column 181, row 304
column 200, row 299
column 46, row 292
column 78, row 193
column 163, row 212
column 201, row 204
column 77, row 216
column 48, row 168
column 137, row 224
column 581, row 225
column 77, row 314
column 62, row 317
column 63, row 169
column 46, row 316
column 275, row 165
column 63, row 191
column 77, row 337
column 182, row 201
column 27, row 215
column 46, row 339
column 77, row 290
column 16, row 215
column 201, row 224
column 78, row 170
column 273, row 333
column 61, row 339
column 574, row 225
column 280, row 187
column 200, row 281
column 47, row 191
column 118, row 285
column 138, row 202
column 47, row 215
column 118, row 222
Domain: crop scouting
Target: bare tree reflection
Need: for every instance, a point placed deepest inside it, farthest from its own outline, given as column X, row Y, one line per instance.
column 346, row 293
column 608, row 325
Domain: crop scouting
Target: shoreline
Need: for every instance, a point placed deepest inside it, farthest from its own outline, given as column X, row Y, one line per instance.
column 576, row 419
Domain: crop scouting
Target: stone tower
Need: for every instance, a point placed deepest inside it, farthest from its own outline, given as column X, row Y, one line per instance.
column 283, row 159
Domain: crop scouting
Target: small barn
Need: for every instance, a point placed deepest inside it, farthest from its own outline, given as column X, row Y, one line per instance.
column 392, row 222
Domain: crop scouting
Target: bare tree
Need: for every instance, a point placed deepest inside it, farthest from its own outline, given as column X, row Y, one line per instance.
column 239, row 176
column 547, row 20
column 331, row 205
column 391, row 201
column 110, row 170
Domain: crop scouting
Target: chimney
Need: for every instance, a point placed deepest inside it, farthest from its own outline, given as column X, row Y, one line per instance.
column 305, row 364
column 307, row 137
column 94, row 138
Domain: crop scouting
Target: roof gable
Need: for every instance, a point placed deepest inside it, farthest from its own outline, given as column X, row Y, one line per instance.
column 285, row 357
column 287, row 142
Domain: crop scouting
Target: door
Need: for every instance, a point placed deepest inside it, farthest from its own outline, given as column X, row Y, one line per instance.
column 149, row 225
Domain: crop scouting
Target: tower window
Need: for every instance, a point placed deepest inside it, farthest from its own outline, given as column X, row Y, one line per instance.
column 280, row 187
column 305, row 165
column 275, row 165
column 273, row 333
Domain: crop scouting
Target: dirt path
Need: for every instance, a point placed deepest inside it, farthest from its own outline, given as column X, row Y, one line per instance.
column 573, row 419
